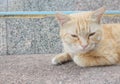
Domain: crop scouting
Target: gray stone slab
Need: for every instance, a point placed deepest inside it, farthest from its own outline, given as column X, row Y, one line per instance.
column 114, row 19
column 20, row 36
column 57, row 5
column 40, row 5
column 23, row 5
column 87, row 5
column 3, row 46
column 94, row 4
column 27, row 36
column 47, row 36
column 112, row 4
column 61, row 5
column 31, row 5
column 3, row 5
column 51, row 5
column 15, row 5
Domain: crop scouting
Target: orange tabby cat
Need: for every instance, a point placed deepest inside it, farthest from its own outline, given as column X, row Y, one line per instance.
column 88, row 42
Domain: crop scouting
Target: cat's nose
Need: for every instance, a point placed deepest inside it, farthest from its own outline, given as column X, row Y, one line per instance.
column 84, row 46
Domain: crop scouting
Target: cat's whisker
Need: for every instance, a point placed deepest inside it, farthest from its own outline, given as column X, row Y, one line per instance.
column 88, row 28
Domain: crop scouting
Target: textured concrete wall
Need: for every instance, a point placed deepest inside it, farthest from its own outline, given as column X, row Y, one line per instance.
column 28, row 36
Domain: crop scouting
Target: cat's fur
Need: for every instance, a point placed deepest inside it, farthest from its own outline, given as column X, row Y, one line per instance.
column 88, row 42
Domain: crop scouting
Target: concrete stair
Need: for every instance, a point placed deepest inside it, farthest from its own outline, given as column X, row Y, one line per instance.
column 37, row 69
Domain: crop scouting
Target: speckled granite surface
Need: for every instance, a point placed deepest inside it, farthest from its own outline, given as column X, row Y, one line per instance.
column 37, row 69
column 29, row 36
column 60, row 5
column 3, row 44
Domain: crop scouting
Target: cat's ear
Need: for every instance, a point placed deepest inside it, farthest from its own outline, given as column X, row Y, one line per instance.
column 62, row 18
column 97, row 14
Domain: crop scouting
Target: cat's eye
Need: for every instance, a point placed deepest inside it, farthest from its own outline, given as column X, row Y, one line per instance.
column 73, row 35
column 92, row 34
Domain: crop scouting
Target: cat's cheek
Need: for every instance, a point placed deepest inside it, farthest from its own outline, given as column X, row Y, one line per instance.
column 66, row 41
column 73, row 49
column 70, row 41
column 92, row 46
column 97, row 39
column 93, row 39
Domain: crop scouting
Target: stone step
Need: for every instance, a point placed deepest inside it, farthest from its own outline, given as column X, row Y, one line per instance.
column 37, row 69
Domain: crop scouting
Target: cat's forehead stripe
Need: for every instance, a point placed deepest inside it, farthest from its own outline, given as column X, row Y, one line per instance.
column 78, row 29
column 83, row 24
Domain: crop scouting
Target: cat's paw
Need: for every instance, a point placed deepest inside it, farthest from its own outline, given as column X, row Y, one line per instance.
column 55, row 61
column 61, row 58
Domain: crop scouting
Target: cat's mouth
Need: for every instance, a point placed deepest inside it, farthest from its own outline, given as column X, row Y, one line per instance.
column 88, row 48
column 84, row 50
column 78, row 49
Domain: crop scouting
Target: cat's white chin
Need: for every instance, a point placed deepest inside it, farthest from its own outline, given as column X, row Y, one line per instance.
column 73, row 52
column 82, row 50
column 73, row 49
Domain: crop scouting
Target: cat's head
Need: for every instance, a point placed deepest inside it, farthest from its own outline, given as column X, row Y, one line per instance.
column 80, row 32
